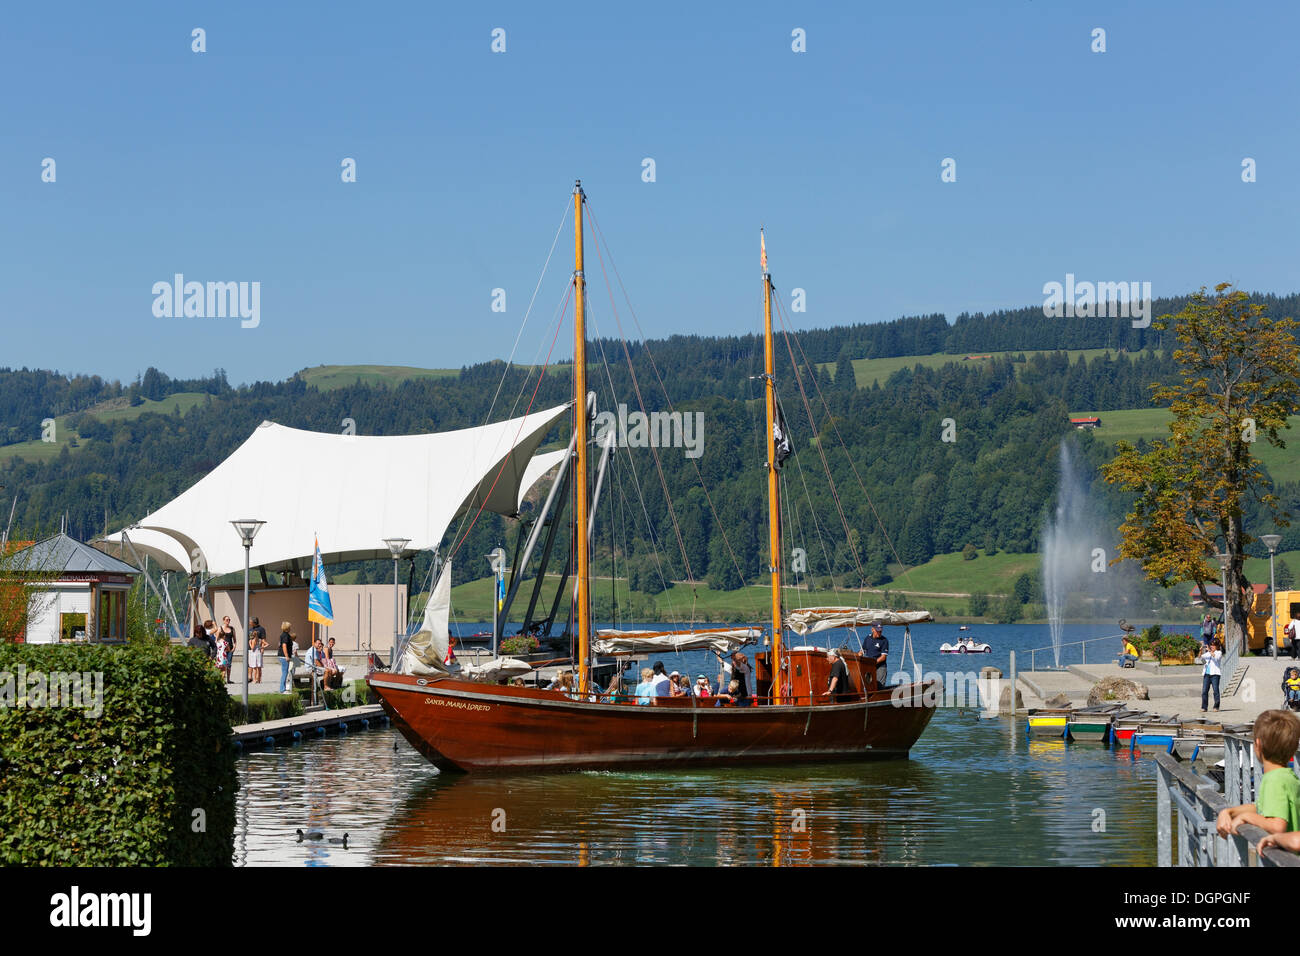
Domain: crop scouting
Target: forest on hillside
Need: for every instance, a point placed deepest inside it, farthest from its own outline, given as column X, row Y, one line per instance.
column 930, row 461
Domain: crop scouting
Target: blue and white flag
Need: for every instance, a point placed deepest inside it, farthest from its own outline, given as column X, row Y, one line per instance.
column 318, row 595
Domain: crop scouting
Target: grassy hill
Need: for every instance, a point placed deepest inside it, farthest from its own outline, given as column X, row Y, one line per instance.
column 327, row 377
column 868, row 370
column 1151, row 423
column 117, row 409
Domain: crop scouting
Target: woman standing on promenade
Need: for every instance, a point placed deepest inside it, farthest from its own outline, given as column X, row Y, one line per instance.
column 228, row 635
column 1212, row 657
column 287, row 648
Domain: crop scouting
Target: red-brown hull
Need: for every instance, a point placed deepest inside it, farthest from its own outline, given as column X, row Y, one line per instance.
column 466, row 726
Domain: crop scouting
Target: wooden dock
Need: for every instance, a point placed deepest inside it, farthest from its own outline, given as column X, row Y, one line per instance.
column 290, row 730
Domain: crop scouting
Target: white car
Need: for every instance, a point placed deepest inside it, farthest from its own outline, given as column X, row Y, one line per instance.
column 965, row 645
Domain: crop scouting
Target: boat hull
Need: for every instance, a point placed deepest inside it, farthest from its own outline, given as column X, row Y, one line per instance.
column 464, row 726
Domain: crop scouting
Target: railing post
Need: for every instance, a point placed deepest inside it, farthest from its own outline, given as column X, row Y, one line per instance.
column 1163, row 823
column 1231, row 773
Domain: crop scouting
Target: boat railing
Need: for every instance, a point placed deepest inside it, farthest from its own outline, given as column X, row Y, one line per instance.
column 1082, row 645
column 1193, row 803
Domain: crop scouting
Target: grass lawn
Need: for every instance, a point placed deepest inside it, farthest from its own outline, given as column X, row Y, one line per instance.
column 1151, row 423
column 868, row 370
column 944, row 574
column 115, row 410
column 326, row 377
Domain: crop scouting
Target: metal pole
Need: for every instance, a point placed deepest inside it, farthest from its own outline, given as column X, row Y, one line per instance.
column 247, row 545
column 1272, row 603
column 1013, row 688
column 1163, row 830
column 396, row 637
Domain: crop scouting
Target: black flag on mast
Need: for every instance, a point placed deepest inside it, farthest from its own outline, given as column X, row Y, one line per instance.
column 781, row 438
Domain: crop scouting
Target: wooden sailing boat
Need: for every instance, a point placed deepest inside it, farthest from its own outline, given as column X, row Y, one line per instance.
column 465, row 725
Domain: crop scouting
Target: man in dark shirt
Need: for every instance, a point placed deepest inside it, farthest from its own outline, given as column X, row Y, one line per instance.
column 839, row 686
column 876, row 647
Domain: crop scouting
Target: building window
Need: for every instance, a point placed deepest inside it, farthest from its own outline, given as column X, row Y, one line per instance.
column 72, row 627
column 112, row 616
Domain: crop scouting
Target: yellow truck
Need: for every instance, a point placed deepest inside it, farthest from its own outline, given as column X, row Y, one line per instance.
column 1262, row 621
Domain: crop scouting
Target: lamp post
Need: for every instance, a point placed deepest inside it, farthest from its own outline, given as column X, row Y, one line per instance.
column 1271, row 541
column 1223, row 589
column 396, row 546
column 497, row 559
column 247, row 528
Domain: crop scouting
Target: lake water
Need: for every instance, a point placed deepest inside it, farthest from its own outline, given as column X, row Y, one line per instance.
column 976, row 792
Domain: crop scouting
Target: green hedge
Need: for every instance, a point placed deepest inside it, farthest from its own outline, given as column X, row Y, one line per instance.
column 123, row 788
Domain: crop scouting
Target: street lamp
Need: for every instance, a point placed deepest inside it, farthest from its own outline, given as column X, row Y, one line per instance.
column 1271, row 541
column 396, row 546
column 247, row 528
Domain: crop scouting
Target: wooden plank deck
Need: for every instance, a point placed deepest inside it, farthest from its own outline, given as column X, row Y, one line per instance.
column 315, row 724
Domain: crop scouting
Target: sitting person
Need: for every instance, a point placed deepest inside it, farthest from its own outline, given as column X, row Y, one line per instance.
column 681, row 687
column 702, row 688
column 333, row 675
column 1291, row 685
column 729, row 698
column 645, row 690
column 1128, row 656
column 1277, row 808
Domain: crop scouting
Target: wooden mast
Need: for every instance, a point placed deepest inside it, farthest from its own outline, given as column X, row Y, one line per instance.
column 580, row 429
column 773, row 503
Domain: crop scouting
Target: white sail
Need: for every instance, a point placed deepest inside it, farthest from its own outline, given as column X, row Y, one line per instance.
column 428, row 651
column 813, row 619
column 636, row 642
column 498, row 668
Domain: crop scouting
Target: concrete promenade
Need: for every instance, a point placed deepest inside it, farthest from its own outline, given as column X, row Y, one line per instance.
column 1173, row 690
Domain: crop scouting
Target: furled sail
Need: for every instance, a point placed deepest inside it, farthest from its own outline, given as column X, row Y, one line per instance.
column 813, row 619
column 638, row 642
column 428, row 651
column 499, row 668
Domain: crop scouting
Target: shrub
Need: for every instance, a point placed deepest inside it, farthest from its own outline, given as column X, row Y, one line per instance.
column 519, row 644
column 970, row 552
column 150, row 781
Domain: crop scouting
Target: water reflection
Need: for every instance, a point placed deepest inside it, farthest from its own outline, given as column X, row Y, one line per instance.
column 971, row 795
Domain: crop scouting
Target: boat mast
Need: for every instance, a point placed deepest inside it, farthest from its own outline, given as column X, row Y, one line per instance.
column 580, row 415
column 773, row 504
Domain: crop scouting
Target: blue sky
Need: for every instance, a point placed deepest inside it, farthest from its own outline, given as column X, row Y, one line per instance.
column 225, row 166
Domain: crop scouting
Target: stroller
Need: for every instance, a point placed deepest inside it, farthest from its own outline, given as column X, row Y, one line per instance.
column 1291, row 689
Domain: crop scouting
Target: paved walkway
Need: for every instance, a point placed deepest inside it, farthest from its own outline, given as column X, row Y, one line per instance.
column 1173, row 690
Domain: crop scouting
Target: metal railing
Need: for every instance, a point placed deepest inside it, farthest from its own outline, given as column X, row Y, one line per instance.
column 1196, row 803
column 1083, row 646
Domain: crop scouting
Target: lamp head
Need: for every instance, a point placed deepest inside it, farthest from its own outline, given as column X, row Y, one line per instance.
column 248, row 528
column 397, row 545
column 1271, row 541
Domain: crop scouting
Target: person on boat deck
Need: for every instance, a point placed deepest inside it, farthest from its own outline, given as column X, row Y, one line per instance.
column 1277, row 806
column 663, row 683
column 681, row 687
column 737, row 669
column 702, row 688
column 646, row 688
column 730, row 696
column 1129, row 655
column 839, row 686
column 876, row 647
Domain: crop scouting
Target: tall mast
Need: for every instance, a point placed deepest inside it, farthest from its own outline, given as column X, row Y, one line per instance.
column 773, row 503
column 580, row 414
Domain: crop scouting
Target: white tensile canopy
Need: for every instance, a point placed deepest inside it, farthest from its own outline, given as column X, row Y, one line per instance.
column 350, row 492
column 813, row 619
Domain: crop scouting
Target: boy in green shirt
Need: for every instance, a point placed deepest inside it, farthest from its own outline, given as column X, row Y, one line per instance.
column 1277, row 809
